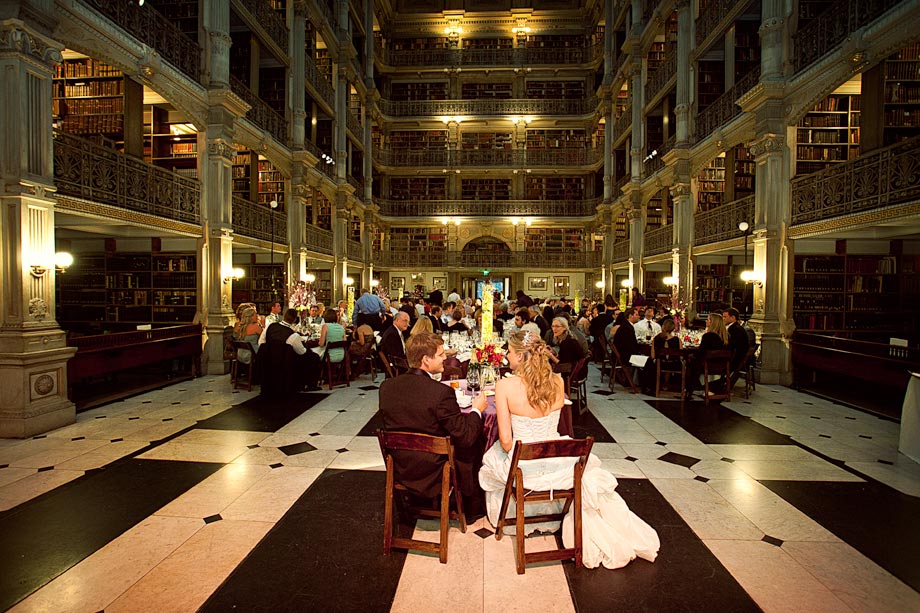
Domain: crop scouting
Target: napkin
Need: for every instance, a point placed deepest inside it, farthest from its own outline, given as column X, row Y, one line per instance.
column 463, row 400
column 464, row 356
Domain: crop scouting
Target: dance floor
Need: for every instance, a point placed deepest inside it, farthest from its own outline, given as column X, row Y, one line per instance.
column 198, row 497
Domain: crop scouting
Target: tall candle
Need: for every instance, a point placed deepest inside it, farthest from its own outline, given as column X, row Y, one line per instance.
column 351, row 302
column 487, row 311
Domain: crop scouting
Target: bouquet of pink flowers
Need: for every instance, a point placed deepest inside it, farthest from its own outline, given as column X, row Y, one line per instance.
column 489, row 354
column 300, row 296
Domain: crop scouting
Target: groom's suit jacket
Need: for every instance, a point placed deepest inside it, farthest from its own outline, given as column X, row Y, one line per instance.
column 414, row 402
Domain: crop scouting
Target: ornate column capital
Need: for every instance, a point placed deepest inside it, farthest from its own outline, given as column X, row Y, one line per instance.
column 14, row 37
column 768, row 25
column 767, row 144
column 300, row 8
column 680, row 190
column 221, row 148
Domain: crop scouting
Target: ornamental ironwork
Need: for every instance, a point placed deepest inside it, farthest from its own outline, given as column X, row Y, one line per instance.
column 518, row 56
column 318, row 239
column 660, row 240
column 354, row 250
column 487, row 107
column 488, row 208
column 260, row 113
column 514, row 158
column 318, row 81
column 623, row 123
column 356, row 183
column 354, row 125
column 875, row 180
column 620, row 251
column 721, row 223
column 88, row 171
column 493, row 260
column 832, row 27
column 269, row 20
column 709, row 19
column 725, row 108
column 150, row 27
column 658, row 79
column 258, row 221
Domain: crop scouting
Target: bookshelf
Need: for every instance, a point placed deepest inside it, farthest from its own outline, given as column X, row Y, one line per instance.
column 555, row 40
column 256, row 285
column 272, row 82
column 810, row 9
column 89, row 97
column 323, row 286
column 554, row 188
column 741, row 167
column 485, row 140
column 476, row 91
column 556, row 139
column 747, row 47
column 131, row 288
column 719, row 286
column 828, row 134
column 659, row 210
column 169, row 144
column 710, row 83
column 488, row 44
column 271, row 184
column 424, row 90
column 419, row 44
column 417, row 139
column 485, row 189
column 242, row 170
column 418, row 188
column 554, row 240
column 902, row 95
column 655, row 57
column 323, row 63
column 711, row 185
column 418, row 239
column 183, row 13
column 323, row 211
column 354, row 228
column 555, row 90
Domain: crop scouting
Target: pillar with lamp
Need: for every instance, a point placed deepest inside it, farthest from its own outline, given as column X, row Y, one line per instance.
column 271, row 253
column 748, row 275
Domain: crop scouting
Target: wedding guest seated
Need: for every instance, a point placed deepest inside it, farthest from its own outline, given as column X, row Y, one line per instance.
column 716, row 337
column 361, row 346
column 647, row 328
column 522, row 321
column 287, row 364
column 498, row 326
column 537, row 318
column 624, row 338
column 423, row 324
column 435, row 317
column 314, row 317
column 664, row 340
column 392, row 341
column 456, row 324
column 414, row 402
column 565, row 348
column 331, row 332
column 249, row 329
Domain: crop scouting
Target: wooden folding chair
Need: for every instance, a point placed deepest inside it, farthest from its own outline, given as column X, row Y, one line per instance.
column 579, row 448
column 717, row 363
column 578, row 384
column 617, row 365
column 236, row 364
column 411, row 441
column 664, row 357
column 338, row 373
column 746, row 369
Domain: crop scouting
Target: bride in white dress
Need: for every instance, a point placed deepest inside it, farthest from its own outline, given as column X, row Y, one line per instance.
column 527, row 407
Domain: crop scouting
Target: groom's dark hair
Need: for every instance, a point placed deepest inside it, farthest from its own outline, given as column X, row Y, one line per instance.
column 421, row 345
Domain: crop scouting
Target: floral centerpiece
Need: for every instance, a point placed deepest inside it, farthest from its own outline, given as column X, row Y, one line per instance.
column 485, row 361
column 301, row 296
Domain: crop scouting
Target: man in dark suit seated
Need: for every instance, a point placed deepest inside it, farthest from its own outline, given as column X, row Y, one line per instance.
column 414, row 402
column 392, row 342
column 625, row 338
column 287, row 365
column 738, row 342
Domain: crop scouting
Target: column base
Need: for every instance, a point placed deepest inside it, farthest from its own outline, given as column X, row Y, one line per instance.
column 775, row 353
column 33, row 392
column 214, row 360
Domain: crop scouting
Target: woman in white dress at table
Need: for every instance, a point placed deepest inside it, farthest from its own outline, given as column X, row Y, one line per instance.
column 527, row 407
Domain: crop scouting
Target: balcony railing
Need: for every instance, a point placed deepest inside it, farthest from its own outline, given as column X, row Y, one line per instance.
column 621, row 251
column 150, row 27
column 658, row 79
column 721, row 223
column 660, row 240
column 492, row 260
column 260, row 113
column 318, row 239
column 328, row 13
column 488, row 208
column 259, row 221
column 514, row 158
column 312, row 148
column 711, row 17
column 354, row 250
column 832, row 27
column 487, row 107
column 620, row 183
column 270, row 21
column 875, row 180
column 519, row 56
column 354, row 125
column 356, row 183
column 90, row 172
column 327, row 169
column 724, row 108
column 656, row 163
column 314, row 77
column 623, row 123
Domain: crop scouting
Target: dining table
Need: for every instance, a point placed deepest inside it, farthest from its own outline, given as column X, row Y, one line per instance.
column 490, row 417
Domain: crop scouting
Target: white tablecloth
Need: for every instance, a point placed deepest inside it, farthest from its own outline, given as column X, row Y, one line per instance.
column 909, row 444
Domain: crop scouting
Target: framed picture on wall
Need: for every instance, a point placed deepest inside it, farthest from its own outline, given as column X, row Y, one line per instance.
column 537, row 283
column 561, row 286
column 439, row 283
column 397, row 283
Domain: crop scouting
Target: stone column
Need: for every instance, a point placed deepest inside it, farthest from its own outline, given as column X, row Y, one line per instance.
column 774, row 257
column 684, row 44
column 33, row 348
column 636, row 239
column 298, row 98
column 217, row 54
column 297, row 217
column 681, row 260
column 340, row 217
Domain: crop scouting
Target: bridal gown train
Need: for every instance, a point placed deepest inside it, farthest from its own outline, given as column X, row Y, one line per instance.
column 612, row 535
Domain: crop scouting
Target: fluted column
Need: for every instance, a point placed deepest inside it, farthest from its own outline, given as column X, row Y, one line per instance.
column 681, row 260
column 636, row 239
column 297, row 219
column 684, row 44
column 217, row 52
column 33, row 348
column 298, row 98
column 772, row 34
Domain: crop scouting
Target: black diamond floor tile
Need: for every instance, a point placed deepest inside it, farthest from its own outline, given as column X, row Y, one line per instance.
column 251, row 446
column 260, row 414
column 729, row 460
column 297, row 448
column 679, row 459
column 772, row 540
column 717, row 425
column 368, row 388
column 342, row 450
column 701, row 479
column 483, row 533
column 78, row 438
column 602, row 392
column 210, row 519
column 662, row 443
column 630, row 458
column 116, row 440
column 45, row 468
column 276, row 465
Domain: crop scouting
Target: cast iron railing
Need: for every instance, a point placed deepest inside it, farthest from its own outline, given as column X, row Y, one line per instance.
column 660, row 240
column 488, row 208
column 354, row 250
column 259, row 221
column 724, row 109
column 270, row 21
column 260, row 113
column 318, row 239
column 621, row 251
column 487, row 107
column 314, row 77
column 721, row 223
column 492, row 260
column 91, row 172
column 515, row 158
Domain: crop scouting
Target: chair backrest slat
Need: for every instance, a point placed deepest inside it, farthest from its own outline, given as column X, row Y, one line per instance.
column 413, row 441
column 565, row 448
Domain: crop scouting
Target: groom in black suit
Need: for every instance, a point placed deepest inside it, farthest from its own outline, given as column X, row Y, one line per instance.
column 414, row 402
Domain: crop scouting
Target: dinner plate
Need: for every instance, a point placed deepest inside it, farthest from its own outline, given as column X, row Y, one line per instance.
column 464, row 401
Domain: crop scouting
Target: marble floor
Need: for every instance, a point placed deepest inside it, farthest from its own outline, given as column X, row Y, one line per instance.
column 195, row 496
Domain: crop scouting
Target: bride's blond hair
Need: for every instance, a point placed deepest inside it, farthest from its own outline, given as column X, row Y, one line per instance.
column 534, row 369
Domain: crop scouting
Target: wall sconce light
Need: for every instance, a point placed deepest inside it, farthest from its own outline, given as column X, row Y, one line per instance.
column 456, row 222
column 627, row 283
column 515, row 221
column 528, row 222
column 453, row 31
column 749, row 276
column 348, row 281
column 308, row 277
column 672, row 281
column 449, row 119
column 62, row 260
column 234, row 274
column 375, row 282
column 599, row 285
column 520, row 31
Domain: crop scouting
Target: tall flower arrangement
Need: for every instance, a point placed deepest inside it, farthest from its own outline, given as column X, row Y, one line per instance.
column 301, row 296
column 487, row 355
